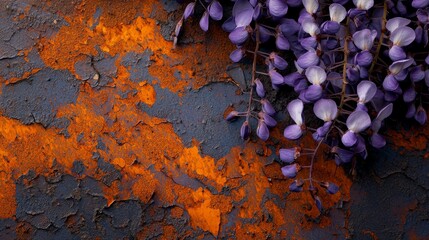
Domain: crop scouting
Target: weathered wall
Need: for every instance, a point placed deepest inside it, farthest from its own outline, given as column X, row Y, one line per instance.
column 107, row 131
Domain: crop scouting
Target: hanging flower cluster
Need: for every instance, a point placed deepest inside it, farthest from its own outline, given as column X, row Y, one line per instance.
column 353, row 61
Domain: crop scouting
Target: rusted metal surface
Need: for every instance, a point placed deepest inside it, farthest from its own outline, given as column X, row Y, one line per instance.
column 108, row 132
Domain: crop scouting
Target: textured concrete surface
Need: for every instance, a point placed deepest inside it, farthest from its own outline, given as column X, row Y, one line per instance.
column 108, row 132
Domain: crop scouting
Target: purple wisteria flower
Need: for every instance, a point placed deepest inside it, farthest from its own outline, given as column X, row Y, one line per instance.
column 296, row 130
column 289, row 155
column 290, row 171
column 337, row 14
column 356, row 123
column 366, row 90
column 326, row 110
column 316, row 76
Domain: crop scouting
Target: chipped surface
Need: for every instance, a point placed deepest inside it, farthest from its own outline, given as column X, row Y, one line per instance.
column 108, row 132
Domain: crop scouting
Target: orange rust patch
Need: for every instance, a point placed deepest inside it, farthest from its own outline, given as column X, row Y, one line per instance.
column 172, row 68
column 204, row 216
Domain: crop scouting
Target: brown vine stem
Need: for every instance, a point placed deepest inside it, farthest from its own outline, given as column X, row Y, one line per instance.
column 255, row 56
column 380, row 40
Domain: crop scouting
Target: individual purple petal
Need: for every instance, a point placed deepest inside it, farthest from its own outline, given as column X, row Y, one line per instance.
column 311, row 28
column 264, row 34
column 304, row 16
column 267, row 107
column 317, row 137
column 315, row 74
column 358, row 121
column 292, row 78
column 289, row 26
column 409, row 95
column 324, row 129
column 417, row 74
column 420, row 3
column 177, row 31
column 295, row 108
column 363, row 4
column 311, row 6
column 245, row 130
column 401, row 8
column 243, row 13
column 377, row 140
column 300, row 85
column 363, row 72
column 239, row 35
column 290, row 171
column 229, row 25
column 366, row 91
column 344, row 156
column 330, row 27
column 349, row 139
column 360, row 147
column 296, row 186
column 325, row 109
column 278, row 8
column 262, row 131
column 411, row 111
column 423, row 15
column 189, row 10
column 215, row 10
column 390, row 83
column 302, row 97
column 403, row 36
column 204, row 22
column 401, row 76
column 276, row 78
column 267, row 119
column 364, row 39
column 289, row 155
column 364, row 59
column 257, row 11
column 396, row 67
column 382, row 114
column 397, row 22
column 282, row 42
column 397, row 53
column 420, row 115
column 309, row 42
column 237, row 55
column 260, row 90
column 313, row 93
column 293, row 132
column 337, row 12
column 330, row 187
column 353, row 74
column 232, row 116
column 419, row 34
column 308, row 59
column 278, row 62
column 318, row 203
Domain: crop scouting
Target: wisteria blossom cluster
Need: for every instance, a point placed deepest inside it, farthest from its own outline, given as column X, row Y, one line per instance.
column 350, row 62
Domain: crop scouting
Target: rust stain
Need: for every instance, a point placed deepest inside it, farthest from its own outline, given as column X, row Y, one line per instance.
column 204, row 216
